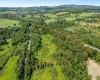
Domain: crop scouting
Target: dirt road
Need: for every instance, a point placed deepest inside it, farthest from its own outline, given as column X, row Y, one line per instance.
column 28, row 48
column 86, row 45
column 93, row 69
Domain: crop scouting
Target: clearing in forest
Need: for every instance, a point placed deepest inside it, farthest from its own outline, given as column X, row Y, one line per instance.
column 5, row 23
column 5, row 48
column 9, row 71
column 45, row 54
column 93, row 69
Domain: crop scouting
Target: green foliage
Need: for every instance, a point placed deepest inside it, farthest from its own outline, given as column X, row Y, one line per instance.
column 9, row 71
column 48, row 44
column 98, row 57
column 46, row 51
column 35, row 41
column 5, row 48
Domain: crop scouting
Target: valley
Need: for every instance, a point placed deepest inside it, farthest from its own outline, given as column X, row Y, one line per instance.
column 44, row 43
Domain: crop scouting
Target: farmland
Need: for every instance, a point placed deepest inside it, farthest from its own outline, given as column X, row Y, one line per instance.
column 6, row 23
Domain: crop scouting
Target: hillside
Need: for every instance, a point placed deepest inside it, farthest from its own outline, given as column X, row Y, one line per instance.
column 50, row 43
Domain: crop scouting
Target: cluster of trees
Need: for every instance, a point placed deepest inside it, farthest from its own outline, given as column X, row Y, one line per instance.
column 35, row 44
column 8, row 16
column 72, row 60
column 5, row 58
column 5, row 33
column 60, row 24
column 21, row 50
column 71, row 54
column 88, row 37
column 19, row 37
column 3, row 42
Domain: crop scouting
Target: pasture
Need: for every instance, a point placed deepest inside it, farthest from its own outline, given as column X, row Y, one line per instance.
column 5, row 23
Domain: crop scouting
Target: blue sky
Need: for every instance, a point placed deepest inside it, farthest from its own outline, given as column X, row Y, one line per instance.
column 29, row 3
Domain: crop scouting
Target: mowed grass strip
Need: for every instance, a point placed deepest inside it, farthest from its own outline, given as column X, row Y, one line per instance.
column 9, row 71
column 5, row 23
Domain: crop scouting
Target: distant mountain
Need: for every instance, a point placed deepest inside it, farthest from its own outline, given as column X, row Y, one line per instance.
column 78, row 7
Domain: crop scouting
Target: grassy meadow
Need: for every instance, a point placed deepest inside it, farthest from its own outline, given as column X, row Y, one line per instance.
column 9, row 71
column 5, row 23
column 5, row 48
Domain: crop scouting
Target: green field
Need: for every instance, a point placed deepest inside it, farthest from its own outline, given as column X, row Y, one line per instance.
column 61, row 13
column 6, row 23
column 50, row 73
column 9, row 71
column 68, row 17
column 45, row 54
column 9, row 12
column 50, row 15
column 42, row 75
column 5, row 47
column 46, row 51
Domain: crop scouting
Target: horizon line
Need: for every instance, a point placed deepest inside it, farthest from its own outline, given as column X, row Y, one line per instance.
column 45, row 5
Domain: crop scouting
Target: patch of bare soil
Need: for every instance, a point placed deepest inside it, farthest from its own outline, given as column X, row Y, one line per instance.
column 93, row 69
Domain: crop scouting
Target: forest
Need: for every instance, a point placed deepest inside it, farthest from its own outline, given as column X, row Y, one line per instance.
column 49, row 43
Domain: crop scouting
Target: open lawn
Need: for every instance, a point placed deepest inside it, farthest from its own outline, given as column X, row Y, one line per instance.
column 6, row 23
column 9, row 71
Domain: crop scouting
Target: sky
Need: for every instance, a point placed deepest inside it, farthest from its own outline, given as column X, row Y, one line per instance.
column 31, row 3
